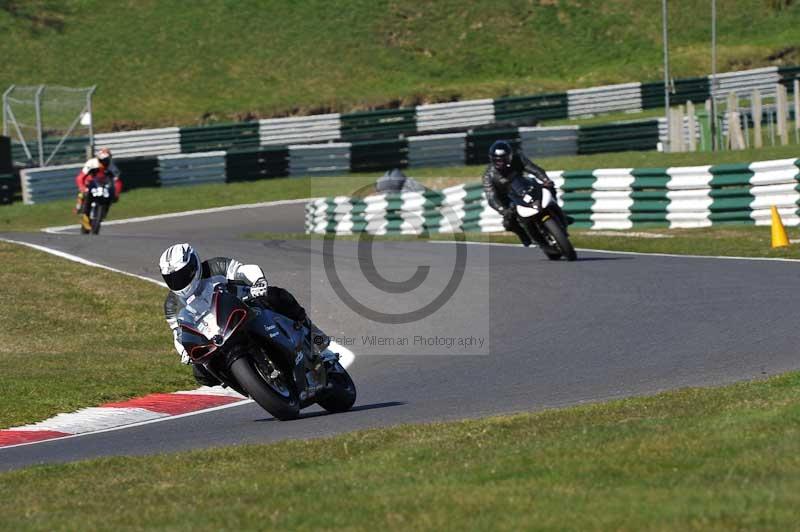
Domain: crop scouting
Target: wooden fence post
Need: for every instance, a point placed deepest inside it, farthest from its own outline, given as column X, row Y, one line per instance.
column 797, row 110
column 782, row 109
column 692, row 125
column 755, row 109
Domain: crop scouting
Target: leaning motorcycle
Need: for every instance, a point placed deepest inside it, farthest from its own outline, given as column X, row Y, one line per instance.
column 534, row 205
column 99, row 196
column 262, row 354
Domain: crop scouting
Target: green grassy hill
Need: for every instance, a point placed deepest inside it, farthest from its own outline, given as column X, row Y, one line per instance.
column 172, row 62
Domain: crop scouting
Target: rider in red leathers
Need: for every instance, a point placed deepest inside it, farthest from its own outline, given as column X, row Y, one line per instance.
column 98, row 169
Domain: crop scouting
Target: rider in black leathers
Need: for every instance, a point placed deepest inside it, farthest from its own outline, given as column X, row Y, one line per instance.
column 506, row 165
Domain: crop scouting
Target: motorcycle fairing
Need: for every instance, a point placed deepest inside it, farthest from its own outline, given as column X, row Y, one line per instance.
column 200, row 338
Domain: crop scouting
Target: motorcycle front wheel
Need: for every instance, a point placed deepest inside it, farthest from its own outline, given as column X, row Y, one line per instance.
column 98, row 213
column 341, row 396
column 558, row 234
column 280, row 401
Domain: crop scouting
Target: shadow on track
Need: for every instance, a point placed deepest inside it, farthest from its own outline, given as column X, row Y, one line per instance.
column 358, row 408
column 589, row 259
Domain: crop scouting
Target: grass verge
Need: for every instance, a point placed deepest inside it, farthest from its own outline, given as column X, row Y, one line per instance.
column 692, row 459
column 74, row 336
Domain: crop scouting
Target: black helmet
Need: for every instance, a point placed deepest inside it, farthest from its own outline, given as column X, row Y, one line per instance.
column 500, row 154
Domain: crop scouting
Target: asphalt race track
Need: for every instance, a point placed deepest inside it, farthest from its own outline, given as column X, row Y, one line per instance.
column 555, row 334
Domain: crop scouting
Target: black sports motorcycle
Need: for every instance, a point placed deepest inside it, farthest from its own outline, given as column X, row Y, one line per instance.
column 533, row 204
column 263, row 354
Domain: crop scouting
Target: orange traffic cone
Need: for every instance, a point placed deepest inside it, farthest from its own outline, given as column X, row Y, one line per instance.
column 779, row 238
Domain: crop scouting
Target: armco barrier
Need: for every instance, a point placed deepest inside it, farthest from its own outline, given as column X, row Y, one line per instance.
column 191, row 169
column 164, row 141
column 48, row 184
column 138, row 172
column 252, row 164
column 744, row 82
column 6, row 166
column 261, row 162
column 611, row 98
column 378, row 155
column 788, row 76
column 539, row 142
column 620, row 136
column 437, row 150
column 380, row 124
column 455, row 115
column 219, row 137
column 299, row 130
column 527, row 109
column 7, row 185
column 694, row 89
column 319, row 159
column 616, row 198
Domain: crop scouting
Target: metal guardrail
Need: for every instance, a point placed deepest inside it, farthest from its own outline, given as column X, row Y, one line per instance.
column 549, row 141
column 47, row 184
column 164, row 141
column 744, row 82
column 319, row 159
column 527, row 109
column 437, row 150
column 610, row 98
column 192, row 169
column 455, row 115
column 303, row 129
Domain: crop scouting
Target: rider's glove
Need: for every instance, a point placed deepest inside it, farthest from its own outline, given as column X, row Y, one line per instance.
column 185, row 358
column 259, row 288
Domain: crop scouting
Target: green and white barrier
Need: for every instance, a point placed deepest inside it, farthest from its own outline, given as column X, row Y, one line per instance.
column 616, row 198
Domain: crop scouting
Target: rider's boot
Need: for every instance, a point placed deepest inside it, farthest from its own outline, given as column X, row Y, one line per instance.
column 524, row 238
column 518, row 230
column 203, row 377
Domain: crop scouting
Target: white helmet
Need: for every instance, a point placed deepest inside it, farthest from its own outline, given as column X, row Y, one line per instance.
column 180, row 266
column 104, row 155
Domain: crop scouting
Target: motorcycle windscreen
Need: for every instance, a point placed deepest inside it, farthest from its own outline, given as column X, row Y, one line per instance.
column 526, row 192
column 230, row 312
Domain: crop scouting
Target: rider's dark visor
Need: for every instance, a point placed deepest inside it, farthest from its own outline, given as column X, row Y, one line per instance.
column 180, row 279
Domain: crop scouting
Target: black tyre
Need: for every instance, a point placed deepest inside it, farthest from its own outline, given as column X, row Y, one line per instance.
column 280, row 401
column 552, row 254
column 96, row 218
column 342, row 395
column 558, row 234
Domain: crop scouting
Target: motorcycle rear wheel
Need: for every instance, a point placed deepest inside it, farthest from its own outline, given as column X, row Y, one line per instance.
column 558, row 234
column 282, row 408
column 341, row 397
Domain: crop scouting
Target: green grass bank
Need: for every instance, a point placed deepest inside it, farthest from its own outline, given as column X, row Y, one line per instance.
column 183, row 63
column 691, row 459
